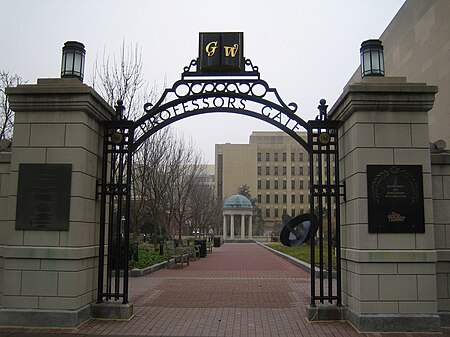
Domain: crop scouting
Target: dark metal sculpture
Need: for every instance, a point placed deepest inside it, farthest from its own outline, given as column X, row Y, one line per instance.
column 298, row 230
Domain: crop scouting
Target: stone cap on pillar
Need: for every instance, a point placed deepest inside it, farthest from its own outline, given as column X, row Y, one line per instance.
column 59, row 94
column 383, row 94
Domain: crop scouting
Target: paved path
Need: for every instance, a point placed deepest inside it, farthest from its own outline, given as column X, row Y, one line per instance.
column 238, row 290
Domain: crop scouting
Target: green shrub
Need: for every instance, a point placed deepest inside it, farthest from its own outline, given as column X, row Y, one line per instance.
column 147, row 257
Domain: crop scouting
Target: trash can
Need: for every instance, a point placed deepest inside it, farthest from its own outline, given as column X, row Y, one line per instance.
column 217, row 241
column 202, row 244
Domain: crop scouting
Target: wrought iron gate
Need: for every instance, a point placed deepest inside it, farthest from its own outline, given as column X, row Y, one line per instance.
column 325, row 193
column 196, row 93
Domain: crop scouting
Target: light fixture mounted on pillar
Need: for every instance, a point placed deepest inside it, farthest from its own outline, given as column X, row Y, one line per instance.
column 372, row 58
column 72, row 64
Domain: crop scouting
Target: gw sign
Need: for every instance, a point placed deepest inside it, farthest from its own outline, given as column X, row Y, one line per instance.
column 221, row 52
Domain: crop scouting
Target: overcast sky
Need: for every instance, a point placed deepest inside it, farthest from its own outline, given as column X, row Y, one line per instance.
column 306, row 49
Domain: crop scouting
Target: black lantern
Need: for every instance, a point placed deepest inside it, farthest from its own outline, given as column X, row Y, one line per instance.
column 372, row 58
column 72, row 64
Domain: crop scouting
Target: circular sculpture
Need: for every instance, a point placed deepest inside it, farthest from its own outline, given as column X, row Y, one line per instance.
column 297, row 231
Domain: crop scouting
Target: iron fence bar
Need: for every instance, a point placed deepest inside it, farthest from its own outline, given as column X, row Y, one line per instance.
column 329, row 225
column 338, row 218
column 119, row 221
column 127, row 214
column 110, row 223
column 320, row 202
column 101, row 247
column 311, row 207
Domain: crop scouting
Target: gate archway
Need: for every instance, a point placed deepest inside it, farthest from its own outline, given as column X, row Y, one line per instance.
column 198, row 93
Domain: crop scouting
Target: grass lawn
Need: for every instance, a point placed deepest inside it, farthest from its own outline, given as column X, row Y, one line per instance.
column 302, row 252
column 147, row 257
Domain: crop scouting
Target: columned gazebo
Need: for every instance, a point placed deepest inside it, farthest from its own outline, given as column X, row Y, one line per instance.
column 237, row 207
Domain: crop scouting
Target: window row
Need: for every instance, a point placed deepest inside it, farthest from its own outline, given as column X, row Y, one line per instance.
column 276, row 170
column 301, row 184
column 275, row 199
column 283, row 156
column 276, row 212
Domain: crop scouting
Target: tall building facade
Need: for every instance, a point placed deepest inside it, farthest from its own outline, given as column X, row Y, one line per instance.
column 274, row 167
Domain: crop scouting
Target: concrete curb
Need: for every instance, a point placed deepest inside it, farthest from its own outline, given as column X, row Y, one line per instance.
column 301, row 264
column 148, row 270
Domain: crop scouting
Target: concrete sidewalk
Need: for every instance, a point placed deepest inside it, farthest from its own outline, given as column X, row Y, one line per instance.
column 238, row 290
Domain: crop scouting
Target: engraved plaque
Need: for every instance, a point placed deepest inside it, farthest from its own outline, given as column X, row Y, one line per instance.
column 43, row 197
column 395, row 199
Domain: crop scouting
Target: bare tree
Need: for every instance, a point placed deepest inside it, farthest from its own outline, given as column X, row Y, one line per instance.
column 165, row 167
column 6, row 114
column 187, row 167
column 122, row 79
column 205, row 208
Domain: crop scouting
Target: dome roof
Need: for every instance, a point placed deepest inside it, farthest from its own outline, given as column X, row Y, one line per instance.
column 237, row 201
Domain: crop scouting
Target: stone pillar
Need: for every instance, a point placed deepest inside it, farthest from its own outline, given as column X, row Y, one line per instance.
column 388, row 279
column 50, row 277
column 232, row 227
column 250, row 227
column 224, row 226
column 242, row 227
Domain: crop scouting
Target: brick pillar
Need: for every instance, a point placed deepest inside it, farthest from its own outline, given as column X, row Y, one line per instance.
column 50, row 275
column 388, row 279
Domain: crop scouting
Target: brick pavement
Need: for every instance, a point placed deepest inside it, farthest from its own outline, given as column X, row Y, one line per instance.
column 238, row 290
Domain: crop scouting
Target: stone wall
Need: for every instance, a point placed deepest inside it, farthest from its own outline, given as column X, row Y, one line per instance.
column 50, row 277
column 388, row 279
column 5, row 169
column 440, row 170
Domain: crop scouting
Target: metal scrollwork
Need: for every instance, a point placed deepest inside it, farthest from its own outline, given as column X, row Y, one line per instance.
column 200, row 92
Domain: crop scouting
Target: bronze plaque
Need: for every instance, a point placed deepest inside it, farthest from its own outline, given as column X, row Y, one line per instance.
column 395, row 199
column 43, row 197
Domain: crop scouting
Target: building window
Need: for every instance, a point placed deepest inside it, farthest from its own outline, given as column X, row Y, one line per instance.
column 259, row 156
column 284, row 156
column 284, row 198
column 275, row 170
column 268, row 184
column 275, row 184
column 293, row 212
column 284, row 184
column 276, row 212
column 259, row 184
column 301, row 198
column 259, row 170
column 276, row 199
column 300, row 170
column 284, row 210
column 293, row 198
column 259, row 198
column 267, row 198
column 292, row 170
column 267, row 170
column 300, row 156
column 275, row 156
column 292, row 156
column 284, row 170
column 267, row 212
column 267, row 156
column 301, row 185
column 292, row 184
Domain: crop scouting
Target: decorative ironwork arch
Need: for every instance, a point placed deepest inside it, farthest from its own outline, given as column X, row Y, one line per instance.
column 245, row 94
column 198, row 93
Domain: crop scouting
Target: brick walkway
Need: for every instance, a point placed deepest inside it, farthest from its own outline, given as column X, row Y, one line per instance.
column 238, row 290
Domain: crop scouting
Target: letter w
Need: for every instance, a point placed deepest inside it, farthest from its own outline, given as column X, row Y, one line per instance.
column 231, row 51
